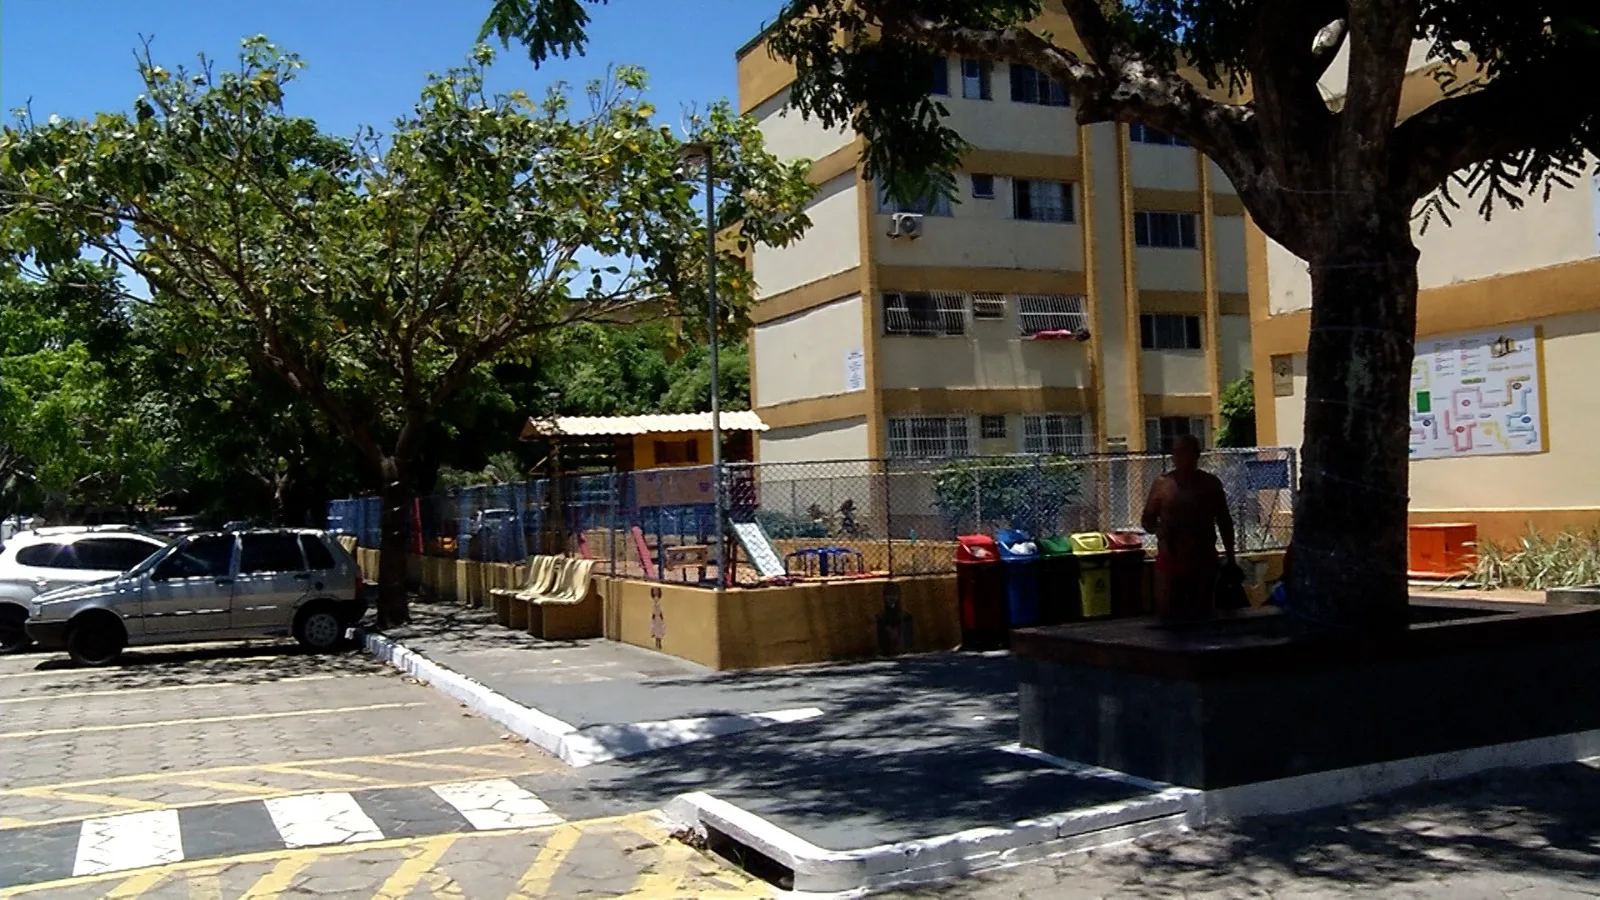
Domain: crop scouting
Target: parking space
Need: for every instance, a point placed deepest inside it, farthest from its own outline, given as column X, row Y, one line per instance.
column 182, row 771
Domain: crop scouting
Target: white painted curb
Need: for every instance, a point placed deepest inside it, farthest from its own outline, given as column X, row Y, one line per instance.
column 817, row 870
column 574, row 746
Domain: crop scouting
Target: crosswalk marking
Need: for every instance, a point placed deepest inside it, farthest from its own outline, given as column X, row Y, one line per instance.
column 129, row 841
column 311, row 820
column 490, row 805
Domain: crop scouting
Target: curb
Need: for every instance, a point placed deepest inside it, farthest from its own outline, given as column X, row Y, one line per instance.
column 577, row 747
column 821, row 871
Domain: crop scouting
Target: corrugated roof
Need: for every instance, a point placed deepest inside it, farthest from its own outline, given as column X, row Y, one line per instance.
column 591, row 426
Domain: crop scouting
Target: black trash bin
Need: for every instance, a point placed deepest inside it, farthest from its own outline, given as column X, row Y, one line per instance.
column 1060, row 600
column 981, row 590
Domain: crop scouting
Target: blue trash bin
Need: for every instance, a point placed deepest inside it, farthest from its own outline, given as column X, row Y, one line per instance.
column 1019, row 556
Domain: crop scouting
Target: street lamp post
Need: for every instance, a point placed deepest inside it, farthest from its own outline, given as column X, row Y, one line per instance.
column 702, row 152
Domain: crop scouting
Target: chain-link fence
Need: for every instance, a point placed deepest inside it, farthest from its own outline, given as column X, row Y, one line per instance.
column 848, row 517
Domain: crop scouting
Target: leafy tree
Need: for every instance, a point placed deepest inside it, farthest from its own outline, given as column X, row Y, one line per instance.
column 1334, row 181
column 1025, row 493
column 379, row 277
column 1238, row 413
column 73, row 430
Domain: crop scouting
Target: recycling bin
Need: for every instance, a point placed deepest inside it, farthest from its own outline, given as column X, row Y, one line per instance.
column 1128, row 594
column 1019, row 557
column 981, row 592
column 1090, row 551
column 1060, row 600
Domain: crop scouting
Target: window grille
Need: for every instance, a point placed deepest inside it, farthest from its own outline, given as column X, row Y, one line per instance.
column 1051, row 312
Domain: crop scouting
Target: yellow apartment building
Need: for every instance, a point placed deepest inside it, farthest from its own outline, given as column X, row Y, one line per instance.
column 956, row 329
column 1505, row 398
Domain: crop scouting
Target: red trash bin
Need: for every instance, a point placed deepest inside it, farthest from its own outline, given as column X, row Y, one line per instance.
column 981, row 588
column 1127, row 573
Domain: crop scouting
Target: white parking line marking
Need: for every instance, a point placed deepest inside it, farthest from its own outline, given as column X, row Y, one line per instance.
column 314, row 820
column 495, row 804
column 131, row 841
column 118, row 692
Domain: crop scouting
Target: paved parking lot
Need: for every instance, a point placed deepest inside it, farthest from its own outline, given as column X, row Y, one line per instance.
column 228, row 771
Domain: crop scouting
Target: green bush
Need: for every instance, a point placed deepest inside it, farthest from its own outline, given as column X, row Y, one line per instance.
column 1023, row 492
column 1540, row 562
column 1238, row 414
column 781, row 525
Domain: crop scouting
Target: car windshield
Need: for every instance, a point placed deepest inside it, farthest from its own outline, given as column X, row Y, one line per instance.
column 151, row 560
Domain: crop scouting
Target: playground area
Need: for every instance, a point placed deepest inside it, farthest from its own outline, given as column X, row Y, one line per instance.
column 814, row 521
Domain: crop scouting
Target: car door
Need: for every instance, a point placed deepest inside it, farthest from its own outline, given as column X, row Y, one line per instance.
column 273, row 578
column 192, row 589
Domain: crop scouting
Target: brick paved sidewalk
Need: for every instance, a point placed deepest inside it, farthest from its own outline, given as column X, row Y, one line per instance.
column 1525, row 834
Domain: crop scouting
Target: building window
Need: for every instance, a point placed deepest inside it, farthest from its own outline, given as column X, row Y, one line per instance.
column 934, row 205
column 939, row 314
column 939, row 86
column 1158, row 433
column 983, row 187
column 1051, row 312
column 677, row 453
column 1144, row 134
column 975, row 80
column 929, row 438
column 1041, row 201
column 1162, row 331
column 992, row 428
column 1029, row 85
column 1164, row 229
column 988, row 306
column 1055, row 435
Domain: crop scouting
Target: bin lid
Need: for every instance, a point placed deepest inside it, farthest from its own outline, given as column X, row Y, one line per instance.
column 1016, row 544
column 976, row 548
column 1088, row 542
column 1055, row 545
column 1125, row 540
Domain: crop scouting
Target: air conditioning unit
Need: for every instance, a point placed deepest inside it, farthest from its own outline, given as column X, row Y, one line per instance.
column 905, row 225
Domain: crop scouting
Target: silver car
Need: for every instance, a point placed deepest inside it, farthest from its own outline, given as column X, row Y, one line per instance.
column 209, row 586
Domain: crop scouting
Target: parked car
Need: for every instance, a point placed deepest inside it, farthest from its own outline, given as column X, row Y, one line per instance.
column 210, row 586
column 44, row 559
column 176, row 526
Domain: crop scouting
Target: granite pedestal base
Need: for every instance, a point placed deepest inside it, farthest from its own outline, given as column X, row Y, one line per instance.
column 1240, row 700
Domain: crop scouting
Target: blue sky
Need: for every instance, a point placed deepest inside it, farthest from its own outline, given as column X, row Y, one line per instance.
column 366, row 59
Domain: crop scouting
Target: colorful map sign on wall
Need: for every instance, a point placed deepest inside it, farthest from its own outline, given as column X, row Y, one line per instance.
column 1477, row 395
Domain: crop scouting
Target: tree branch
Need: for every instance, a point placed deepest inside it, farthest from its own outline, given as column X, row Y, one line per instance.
column 1467, row 129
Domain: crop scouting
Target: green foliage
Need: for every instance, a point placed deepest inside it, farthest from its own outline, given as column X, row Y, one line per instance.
column 1025, row 492
column 780, row 525
column 1238, row 413
column 1539, row 562
column 378, row 277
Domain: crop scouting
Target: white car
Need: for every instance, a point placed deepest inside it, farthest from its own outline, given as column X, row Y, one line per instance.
column 44, row 559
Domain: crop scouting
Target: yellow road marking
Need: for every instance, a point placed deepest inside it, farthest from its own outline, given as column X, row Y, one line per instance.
column 12, row 823
column 417, row 866
column 95, row 799
column 205, row 886
column 437, row 767
column 250, row 767
column 279, row 879
column 118, row 692
column 136, row 886
column 230, row 787
column 297, row 769
column 204, row 720
column 536, row 881
column 305, row 856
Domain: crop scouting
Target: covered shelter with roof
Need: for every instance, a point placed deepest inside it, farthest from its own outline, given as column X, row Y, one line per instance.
column 634, row 443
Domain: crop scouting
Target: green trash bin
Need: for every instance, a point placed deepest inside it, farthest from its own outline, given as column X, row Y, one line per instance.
column 1093, row 556
column 1060, row 599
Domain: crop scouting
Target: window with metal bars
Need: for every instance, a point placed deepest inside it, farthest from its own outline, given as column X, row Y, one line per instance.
column 1055, row 434
column 1164, row 229
column 924, row 437
column 1168, row 331
column 988, row 306
column 936, row 314
column 992, row 428
column 1029, row 85
column 1041, row 201
column 1051, row 312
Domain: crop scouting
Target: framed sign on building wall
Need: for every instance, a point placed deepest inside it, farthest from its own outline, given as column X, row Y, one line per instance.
column 1478, row 395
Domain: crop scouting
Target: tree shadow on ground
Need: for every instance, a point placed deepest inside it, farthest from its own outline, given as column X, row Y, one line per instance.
column 253, row 662
column 1489, row 835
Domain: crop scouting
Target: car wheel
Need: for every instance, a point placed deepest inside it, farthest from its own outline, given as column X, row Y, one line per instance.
column 97, row 641
column 318, row 629
column 13, row 635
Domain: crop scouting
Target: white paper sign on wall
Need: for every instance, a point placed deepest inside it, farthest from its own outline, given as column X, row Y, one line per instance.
column 855, row 370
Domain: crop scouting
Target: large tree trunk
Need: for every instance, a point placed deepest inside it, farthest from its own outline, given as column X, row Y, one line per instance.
column 393, row 545
column 1349, row 573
